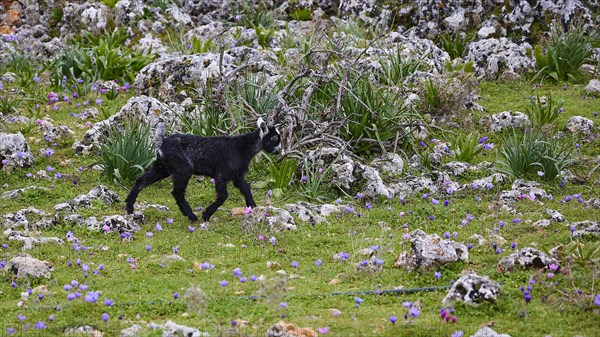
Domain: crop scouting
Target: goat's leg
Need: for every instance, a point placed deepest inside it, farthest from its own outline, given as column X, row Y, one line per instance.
column 152, row 175
column 244, row 187
column 221, row 188
column 180, row 182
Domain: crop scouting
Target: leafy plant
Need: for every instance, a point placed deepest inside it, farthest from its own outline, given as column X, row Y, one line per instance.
column 533, row 155
column 466, row 147
column 126, row 152
column 452, row 66
column 162, row 4
column 205, row 121
column 395, row 68
column 22, row 65
column 253, row 16
column 302, row 14
column 257, row 96
column 282, row 172
column 264, row 35
column 542, row 113
column 447, row 93
column 9, row 105
column 455, row 44
column 313, row 180
column 564, row 53
column 371, row 115
column 110, row 3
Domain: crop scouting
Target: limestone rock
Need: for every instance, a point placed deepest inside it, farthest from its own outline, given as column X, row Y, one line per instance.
column 509, row 120
column 275, row 219
column 488, row 332
column 172, row 329
column 593, row 87
column 14, row 151
column 578, row 124
column 430, row 251
column 472, row 289
column 526, row 258
column 23, row 265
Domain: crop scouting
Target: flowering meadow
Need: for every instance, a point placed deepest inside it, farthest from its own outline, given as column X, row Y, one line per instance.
column 339, row 274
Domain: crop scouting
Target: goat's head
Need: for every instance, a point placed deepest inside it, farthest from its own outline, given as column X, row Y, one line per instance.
column 269, row 137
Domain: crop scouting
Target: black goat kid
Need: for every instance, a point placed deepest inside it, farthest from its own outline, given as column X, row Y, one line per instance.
column 222, row 158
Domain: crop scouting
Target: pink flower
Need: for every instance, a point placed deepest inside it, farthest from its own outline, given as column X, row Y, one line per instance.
column 324, row 330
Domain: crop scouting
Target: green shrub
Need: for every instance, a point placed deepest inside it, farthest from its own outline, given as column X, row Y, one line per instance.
column 282, row 172
column 532, row 155
column 540, row 113
column 264, row 35
column 110, row 3
column 395, row 68
column 561, row 58
column 466, row 147
column 205, row 121
column 302, row 14
column 126, row 152
column 93, row 58
column 259, row 15
column 258, row 97
column 9, row 105
column 371, row 115
column 313, row 182
column 447, row 94
column 455, row 44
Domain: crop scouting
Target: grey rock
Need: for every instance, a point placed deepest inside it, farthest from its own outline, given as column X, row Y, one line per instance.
column 593, row 87
column 456, row 168
column 119, row 223
column 13, row 194
column 99, row 192
column 374, row 184
column 23, row 265
column 305, row 212
column 172, row 329
column 132, row 331
column 30, row 241
column 54, row 133
column 275, row 220
column 509, row 120
column 492, row 56
column 526, row 258
column 542, row 223
column 593, row 203
column 15, row 149
column 578, row 124
column 586, row 228
column 518, row 188
column 85, row 330
column 430, row 251
column 555, row 216
column 26, row 218
column 472, row 289
column 488, row 332
column 390, row 163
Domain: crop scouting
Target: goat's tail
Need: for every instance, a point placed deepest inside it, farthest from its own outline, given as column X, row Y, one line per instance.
column 159, row 135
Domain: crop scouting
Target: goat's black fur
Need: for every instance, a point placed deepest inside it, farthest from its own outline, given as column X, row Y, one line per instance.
column 222, row 158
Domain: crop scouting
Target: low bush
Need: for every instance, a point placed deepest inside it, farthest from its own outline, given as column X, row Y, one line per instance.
column 532, row 154
column 126, row 152
column 545, row 112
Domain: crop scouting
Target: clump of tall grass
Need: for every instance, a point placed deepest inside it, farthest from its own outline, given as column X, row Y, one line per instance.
column 126, row 152
column 533, row 154
column 561, row 57
column 542, row 112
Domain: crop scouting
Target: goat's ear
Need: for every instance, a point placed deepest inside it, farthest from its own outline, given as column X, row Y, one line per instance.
column 262, row 126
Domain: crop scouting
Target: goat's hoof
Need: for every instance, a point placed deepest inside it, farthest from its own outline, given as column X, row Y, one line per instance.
column 193, row 218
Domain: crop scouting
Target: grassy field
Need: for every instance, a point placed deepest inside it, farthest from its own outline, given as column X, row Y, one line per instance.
column 143, row 282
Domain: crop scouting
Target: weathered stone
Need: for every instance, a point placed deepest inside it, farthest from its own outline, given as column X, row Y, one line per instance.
column 488, row 332
column 99, row 192
column 472, row 289
column 13, row 194
column 555, row 216
column 585, row 228
column 172, row 329
column 23, row 265
column 593, row 87
column 26, row 218
column 578, row 124
column 492, row 56
column 132, row 331
column 526, row 258
column 275, row 219
column 14, row 151
column 389, row 163
column 28, row 240
column 430, row 251
column 509, row 120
